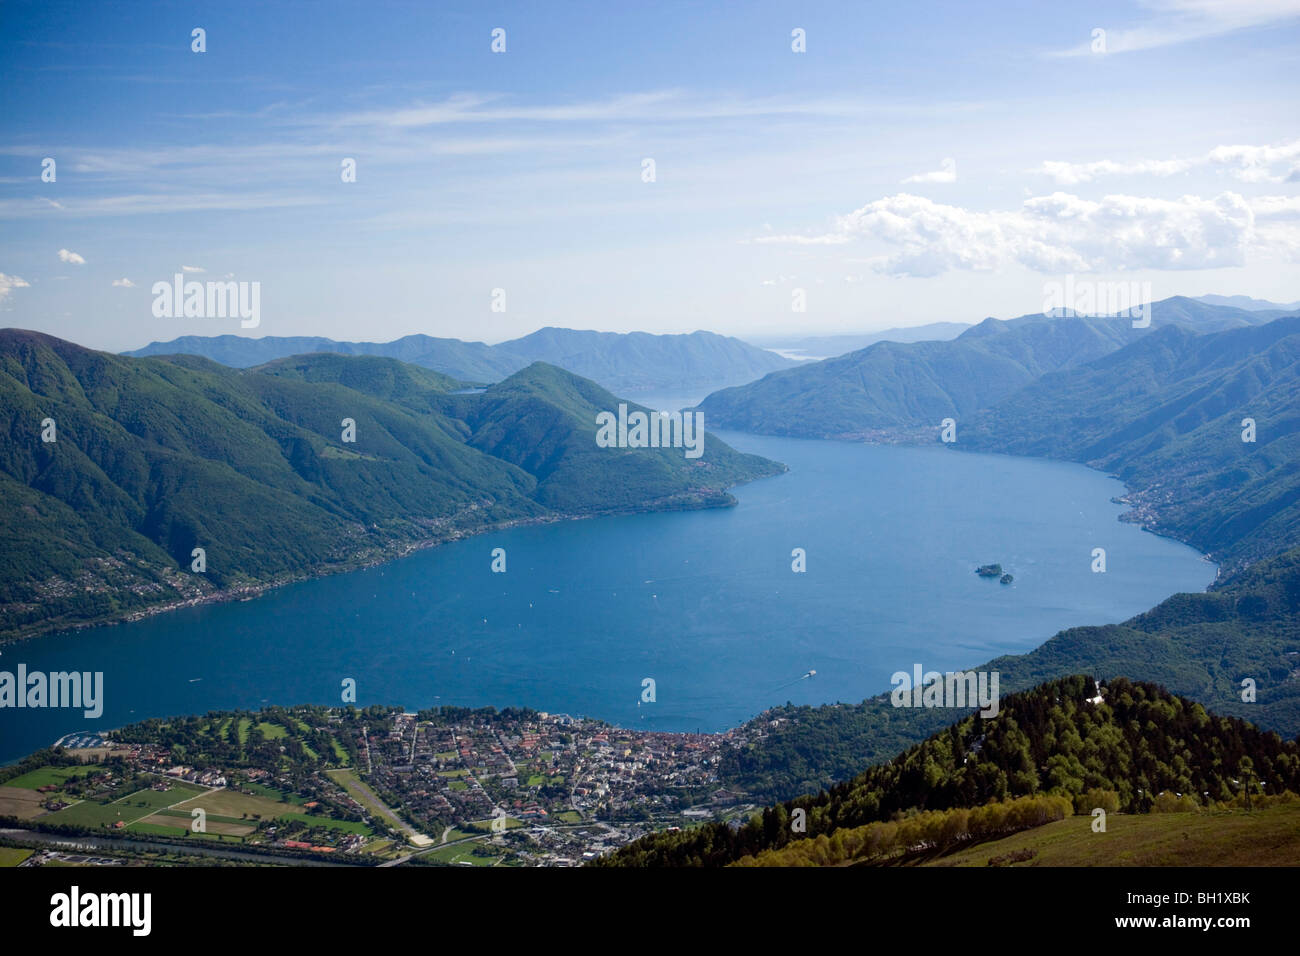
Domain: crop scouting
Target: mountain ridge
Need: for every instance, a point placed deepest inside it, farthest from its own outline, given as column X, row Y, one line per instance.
column 631, row 361
column 152, row 458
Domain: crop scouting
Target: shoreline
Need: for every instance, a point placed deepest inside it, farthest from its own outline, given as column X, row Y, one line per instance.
column 699, row 500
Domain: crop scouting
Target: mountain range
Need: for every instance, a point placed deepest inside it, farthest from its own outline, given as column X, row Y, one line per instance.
column 892, row 386
column 624, row 362
column 118, row 468
column 818, row 346
column 1204, row 429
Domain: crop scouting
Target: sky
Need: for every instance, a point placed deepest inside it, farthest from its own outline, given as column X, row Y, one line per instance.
column 912, row 163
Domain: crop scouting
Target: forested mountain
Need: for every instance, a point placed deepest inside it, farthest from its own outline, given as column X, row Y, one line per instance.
column 1138, row 743
column 624, row 362
column 153, row 458
column 1167, row 415
column 889, row 386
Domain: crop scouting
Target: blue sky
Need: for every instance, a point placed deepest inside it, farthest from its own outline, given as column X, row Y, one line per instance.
column 919, row 162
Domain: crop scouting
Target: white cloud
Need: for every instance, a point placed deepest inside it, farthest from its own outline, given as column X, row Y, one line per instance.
column 946, row 173
column 9, row 283
column 1254, row 164
column 123, row 284
column 67, row 255
column 1248, row 164
column 1182, row 21
column 1061, row 233
column 1071, row 174
column 193, row 269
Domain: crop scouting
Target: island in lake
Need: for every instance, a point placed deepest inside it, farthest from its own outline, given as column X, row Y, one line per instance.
column 994, row 571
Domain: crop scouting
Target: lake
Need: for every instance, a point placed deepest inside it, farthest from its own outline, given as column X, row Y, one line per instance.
column 703, row 603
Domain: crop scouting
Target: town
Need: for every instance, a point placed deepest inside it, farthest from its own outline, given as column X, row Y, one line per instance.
column 379, row 786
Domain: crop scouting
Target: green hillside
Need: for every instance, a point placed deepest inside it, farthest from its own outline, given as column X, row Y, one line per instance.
column 1140, row 749
column 155, row 458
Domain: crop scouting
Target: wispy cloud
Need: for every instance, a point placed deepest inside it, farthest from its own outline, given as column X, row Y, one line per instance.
column 652, row 106
column 123, row 284
column 1181, row 21
column 9, row 283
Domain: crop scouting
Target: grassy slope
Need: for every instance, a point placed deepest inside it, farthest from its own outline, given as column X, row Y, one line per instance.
column 1269, row 837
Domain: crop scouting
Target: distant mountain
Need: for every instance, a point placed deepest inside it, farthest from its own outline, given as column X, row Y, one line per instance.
column 1165, row 414
column 829, row 346
column 154, row 458
column 1249, row 304
column 889, row 386
column 625, row 362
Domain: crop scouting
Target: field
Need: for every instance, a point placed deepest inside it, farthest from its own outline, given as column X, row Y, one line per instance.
column 50, row 776
column 235, row 805
column 130, row 808
column 12, row 856
column 1268, row 837
column 24, row 804
column 459, row 855
column 173, row 819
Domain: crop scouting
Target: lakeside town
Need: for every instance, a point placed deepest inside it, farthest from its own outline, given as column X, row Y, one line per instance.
column 379, row 786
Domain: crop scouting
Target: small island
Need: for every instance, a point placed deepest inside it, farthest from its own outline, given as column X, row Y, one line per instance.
column 1007, row 579
column 989, row 571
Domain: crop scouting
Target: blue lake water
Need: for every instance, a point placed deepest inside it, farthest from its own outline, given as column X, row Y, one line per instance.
column 705, row 603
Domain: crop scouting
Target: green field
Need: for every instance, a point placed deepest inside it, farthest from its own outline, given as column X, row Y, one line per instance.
column 272, row 731
column 130, row 808
column 567, row 816
column 12, row 855
column 244, row 807
column 160, row 830
column 459, row 855
column 47, row 776
column 1268, row 837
